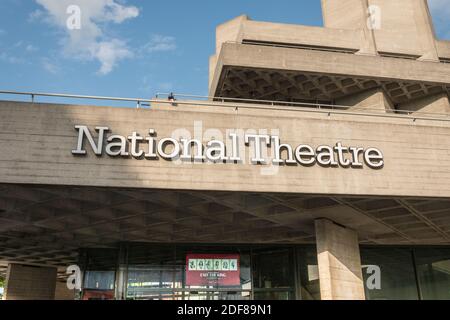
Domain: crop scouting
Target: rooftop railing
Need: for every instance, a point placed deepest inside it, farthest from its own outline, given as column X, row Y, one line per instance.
column 239, row 103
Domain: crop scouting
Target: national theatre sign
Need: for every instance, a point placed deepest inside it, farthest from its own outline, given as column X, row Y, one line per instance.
column 150, row 147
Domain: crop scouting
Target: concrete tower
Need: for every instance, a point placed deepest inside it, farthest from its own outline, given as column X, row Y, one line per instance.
column 388, row 27
column 377, row 55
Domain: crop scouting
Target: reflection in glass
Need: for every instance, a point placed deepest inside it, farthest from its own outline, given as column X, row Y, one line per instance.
column 100, row 269
column 309, row 273
column 398, row 280
column 273, row 270
column 158, row 272
column 143, row 280
column 273, row 295
column 433, row 269
column 99, row 280
column 153, row 272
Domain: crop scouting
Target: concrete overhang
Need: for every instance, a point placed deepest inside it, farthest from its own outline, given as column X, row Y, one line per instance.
column 48, row 224
column 290, row 74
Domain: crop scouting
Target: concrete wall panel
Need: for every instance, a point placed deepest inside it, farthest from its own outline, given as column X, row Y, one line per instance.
column 30, row 283
column 36, row 142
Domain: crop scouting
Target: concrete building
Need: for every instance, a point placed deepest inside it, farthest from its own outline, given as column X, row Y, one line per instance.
column 318, row 169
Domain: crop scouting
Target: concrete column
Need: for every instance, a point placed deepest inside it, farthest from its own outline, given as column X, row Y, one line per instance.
column 340, row 272
column 350, row 14
column 30, row 282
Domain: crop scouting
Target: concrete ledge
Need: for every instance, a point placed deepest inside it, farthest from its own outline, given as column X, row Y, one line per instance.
column 37, row 139
column 242, row 28
column 321, row 62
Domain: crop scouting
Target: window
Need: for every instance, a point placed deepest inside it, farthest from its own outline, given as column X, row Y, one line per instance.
column 309, row 273
column 433, row 272
column 397, row 277
column 273, row 274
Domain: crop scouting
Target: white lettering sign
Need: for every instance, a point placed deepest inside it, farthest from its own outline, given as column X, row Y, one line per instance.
column 194, row 150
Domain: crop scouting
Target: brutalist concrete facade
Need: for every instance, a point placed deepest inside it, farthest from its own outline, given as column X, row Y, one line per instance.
column 374, row 77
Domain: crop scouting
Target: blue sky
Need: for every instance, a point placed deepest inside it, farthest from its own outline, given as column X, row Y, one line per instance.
column 132, row 48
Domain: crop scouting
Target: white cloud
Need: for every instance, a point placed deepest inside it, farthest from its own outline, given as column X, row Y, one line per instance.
column 8, row 58
column 119, row 13
column 31, row 48
column 109, row 53
column 49, row 66
column 159, row 43
column 91, row 41
column 14, row 53
column 36, row 15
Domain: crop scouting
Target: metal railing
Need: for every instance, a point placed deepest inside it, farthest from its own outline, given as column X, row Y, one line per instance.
column 239, row 103
column 33, row 96
column 322, row 107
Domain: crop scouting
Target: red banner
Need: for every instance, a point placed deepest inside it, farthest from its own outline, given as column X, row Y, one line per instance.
column 213, row 270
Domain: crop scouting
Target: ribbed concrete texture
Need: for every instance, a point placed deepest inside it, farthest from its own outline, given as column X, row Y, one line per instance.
column 30, row 283
column 339, row 262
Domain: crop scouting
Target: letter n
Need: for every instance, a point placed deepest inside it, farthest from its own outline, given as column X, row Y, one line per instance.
column 84, row 131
